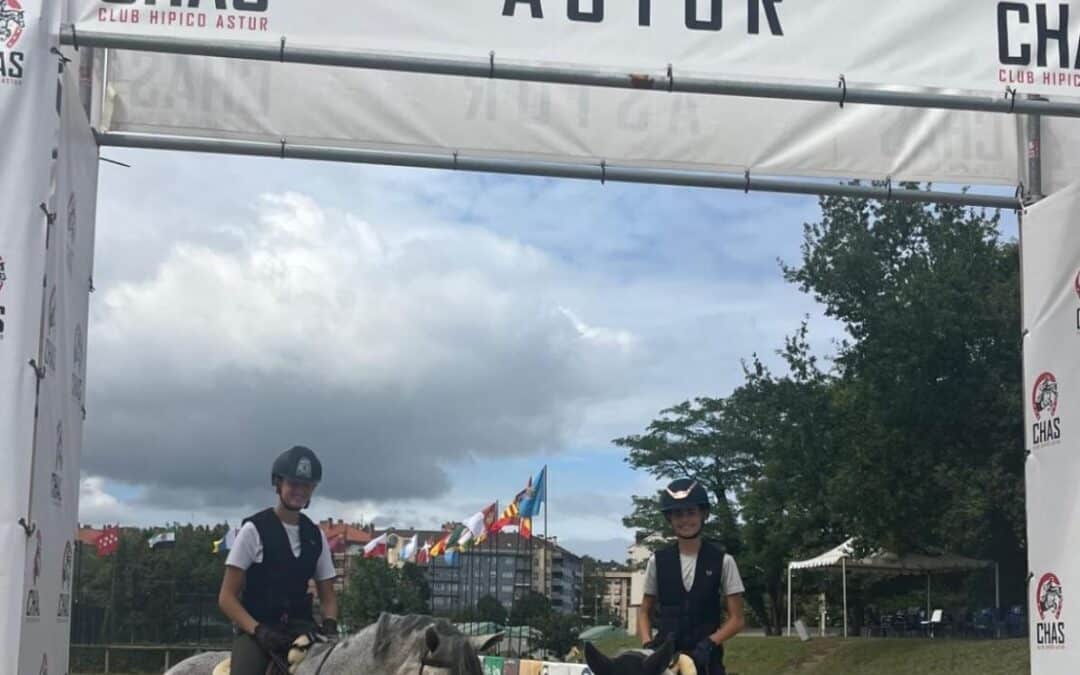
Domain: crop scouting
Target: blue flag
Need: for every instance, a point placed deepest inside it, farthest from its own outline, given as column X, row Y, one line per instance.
column 534, row 496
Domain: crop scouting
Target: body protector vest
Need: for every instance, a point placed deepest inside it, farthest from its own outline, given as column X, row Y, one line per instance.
column 276, row 588
column 690, row 616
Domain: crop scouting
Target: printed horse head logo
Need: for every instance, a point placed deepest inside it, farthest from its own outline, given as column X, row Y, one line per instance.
column 1050, row 596
column 12, row 22
column 1044, row 396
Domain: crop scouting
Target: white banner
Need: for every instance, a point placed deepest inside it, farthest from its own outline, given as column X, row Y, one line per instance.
column 1051, row 274
column 982, row 45
column 28, row 118
column 235, row 99
column 61, row 395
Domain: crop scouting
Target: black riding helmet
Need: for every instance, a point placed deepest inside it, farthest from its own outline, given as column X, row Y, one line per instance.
column 683, row 493
column 297, row 463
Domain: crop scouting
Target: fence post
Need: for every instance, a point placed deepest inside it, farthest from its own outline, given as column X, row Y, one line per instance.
column 166, row 659
column 106, row 659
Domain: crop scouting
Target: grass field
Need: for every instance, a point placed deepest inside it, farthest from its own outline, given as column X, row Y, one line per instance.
column 859, row 656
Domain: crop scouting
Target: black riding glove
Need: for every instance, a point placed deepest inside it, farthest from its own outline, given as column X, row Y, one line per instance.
column 702, row 655
column 655, row 643
column 273, row 638
column 329, row 628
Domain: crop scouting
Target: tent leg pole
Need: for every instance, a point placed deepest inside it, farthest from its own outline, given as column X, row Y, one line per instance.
column 997, row 587
column 843, row 567
column 789, row 601
column 997, row 597
column 929, row 626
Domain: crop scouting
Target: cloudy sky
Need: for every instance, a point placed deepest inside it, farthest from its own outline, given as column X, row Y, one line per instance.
column 436, row 337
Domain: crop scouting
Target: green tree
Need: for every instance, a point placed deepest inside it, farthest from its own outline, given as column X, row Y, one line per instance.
column 488, row 608
column 375, row 587
column 930, row 394
column 560, row 632
column 530, row 609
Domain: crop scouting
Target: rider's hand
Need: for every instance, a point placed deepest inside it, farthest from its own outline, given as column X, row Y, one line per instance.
column 272, row 638
column 329, row 628
column 654, row 643
column 702, row 655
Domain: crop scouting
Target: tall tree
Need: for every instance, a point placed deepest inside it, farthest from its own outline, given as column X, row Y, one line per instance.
column 931, row 395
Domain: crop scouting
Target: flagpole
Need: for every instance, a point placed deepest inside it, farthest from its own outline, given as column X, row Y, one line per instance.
column 547, row 481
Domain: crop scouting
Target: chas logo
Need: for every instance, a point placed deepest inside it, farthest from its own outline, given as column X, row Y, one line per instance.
column 1049, row 601
column 1044, row 403
column 12, row 25
column 12, row 22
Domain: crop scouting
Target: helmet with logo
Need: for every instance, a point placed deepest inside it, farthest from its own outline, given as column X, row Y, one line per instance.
column 297, row 463
column 683, row 493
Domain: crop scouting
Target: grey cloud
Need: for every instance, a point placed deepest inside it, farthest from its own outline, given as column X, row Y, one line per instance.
column 204, row 372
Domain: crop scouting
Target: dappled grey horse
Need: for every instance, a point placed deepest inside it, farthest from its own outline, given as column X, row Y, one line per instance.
column 393, row 645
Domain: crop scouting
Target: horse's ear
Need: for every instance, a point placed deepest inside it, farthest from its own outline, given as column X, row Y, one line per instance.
column 598, row 663
column 482, row 643
column 661, row 659
column 431, row 639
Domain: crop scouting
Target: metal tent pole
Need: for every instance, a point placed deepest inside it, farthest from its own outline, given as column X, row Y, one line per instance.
column 930, row 626
column 789, row 600
column 997, row 587
column 843, row 569
column 602, row 172
column 663, row 80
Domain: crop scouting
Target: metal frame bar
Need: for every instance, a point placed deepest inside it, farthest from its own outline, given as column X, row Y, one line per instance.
column 1009, row 103
column 602, row 172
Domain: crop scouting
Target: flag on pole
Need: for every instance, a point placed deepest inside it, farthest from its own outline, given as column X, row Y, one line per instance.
column 535, row 495
column 458, row 536
column 376, row 547
column 439, row 548
column 162, row 540
column 108, row 541
column 509, row 517
column 423, row 556
column 226, row 542
column 479, row 522
column 408, row 551
column 525, row 527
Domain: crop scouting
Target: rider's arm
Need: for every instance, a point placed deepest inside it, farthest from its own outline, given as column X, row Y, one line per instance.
column 644, row 620
column 232, row 585
column 328, row 606
column 735, row 621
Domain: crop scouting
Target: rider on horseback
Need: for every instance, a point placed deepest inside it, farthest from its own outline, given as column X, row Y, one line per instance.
column 277, row 551
column 690, row 580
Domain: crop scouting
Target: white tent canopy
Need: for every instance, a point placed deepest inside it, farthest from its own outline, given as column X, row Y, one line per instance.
column 892, row 564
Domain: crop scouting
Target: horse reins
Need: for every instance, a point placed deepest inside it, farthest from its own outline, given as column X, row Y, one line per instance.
column 318, row 671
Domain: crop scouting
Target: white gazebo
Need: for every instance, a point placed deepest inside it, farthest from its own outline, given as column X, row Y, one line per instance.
column 886, row 563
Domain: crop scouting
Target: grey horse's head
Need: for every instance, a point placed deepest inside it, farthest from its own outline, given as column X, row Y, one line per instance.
column 433, row 645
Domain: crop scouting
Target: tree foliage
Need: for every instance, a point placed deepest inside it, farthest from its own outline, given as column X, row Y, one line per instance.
column 488, row 608
column 375, row 587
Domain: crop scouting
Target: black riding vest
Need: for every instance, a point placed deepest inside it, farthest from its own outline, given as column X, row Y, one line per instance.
column 275, row 590
column 691, row 615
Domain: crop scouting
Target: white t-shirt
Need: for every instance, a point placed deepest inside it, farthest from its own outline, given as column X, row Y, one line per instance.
column 732, row 582
column 248, row 550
